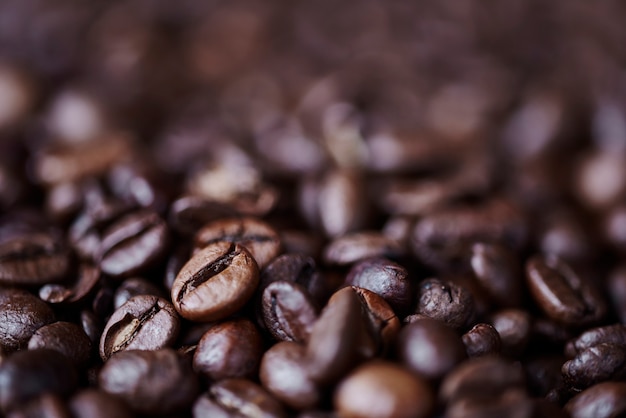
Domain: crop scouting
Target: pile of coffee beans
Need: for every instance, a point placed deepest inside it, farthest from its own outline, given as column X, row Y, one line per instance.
column 312, row 209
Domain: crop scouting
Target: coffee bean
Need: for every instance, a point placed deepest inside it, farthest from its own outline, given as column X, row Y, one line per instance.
column 150, row 382
column 174, row 264
column 512, row 403
column 446, row 302
column 514, row 327
column 44, row 406
column 85, row 284
column 596, row 364
column 256, row 236
column 288, row 311
column 133, row 243
column 33, row 259
column 188, row 214
column 144, row 322
column 296, row 268
column 359, row 394
column 386, row 278
column 604, row 400
column 237, row 398
column 93, row 403
column 28, row 374
column 379, row 325
column 562, row 294
column 497, row 272
column 64, row 337
column 132, row 287
column 334, row 338
column 215, row 283
column 230, row 349
column 284, row 374
column 429, row 348
column 482, row 340
column 91, row 326
column 22, row 314
column 353, row 247
column 610, row 334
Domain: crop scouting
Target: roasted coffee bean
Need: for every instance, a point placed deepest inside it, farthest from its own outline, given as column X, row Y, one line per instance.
column 513, row 403
column 356, row 246
column 22, row 314
column 296, row 268
column 405, row 395
column 386, row 278
column 174, row 264
column 604, row 400
column 33, row 259
column 497, row 272
column 28, row 374
column 85, row 284
column 596, row 364
column 65, row 337
column 482, row 340
column 230, row 349
column 132, row 244
column 93, row 403
column 238, row 398
column 380, row 325
column 188, row 214
column 514, row 327
column 334, row 338
column 441, row 239
column 144, row 322
column 150, row 382
column 256, row 236
column 134, row 286
column 44, row 406
column 91, row 326
column 215, row 283
column 610, row 334
column 284, row 374
column 488, row 376
column 446, row 302
column 430, row 348
column 301, row 242
column 562, row 294
column 288, row 311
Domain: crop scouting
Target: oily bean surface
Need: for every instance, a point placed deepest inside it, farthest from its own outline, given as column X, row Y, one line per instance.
column 64, row 337
column 288, row 311
column 22, row 314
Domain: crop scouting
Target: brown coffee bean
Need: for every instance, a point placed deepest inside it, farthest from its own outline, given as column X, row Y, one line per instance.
column 134, row 286
column 215, row 283
column 604, row 400
column 497, row 272
column 610, row 334
column 85, row 284
column 65, row 337
column 93, row 403
column 482, row 340
column 297, row 268
column 144, row 322
column 353, row 247
column 446, row 302
column 285, row 375
column 22, row 314
column 239, row 398
column 562, row 294
column 430, row 348
column 288, row 311
column 380, row 325
column 596, row 364
column 230, row 349
column 256, row 236
column 150, row 382
column 133, row 243
column 512, row 403
column 359, row 394
column 188, row 214
column 514, row 327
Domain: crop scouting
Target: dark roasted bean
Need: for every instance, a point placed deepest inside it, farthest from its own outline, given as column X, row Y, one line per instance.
column 513, row 403
column 87, row 281
column 562, row 294
column 28, row 374
column 134, row 286
column 22, row 314
column 93, row 403
column 513, row 326
column 144, row 322
column 386, row 278
column 482, row 340
column 215, row 283
column 406, row 396
column 256, row 236
column 357, row 246
column 496, row 271
column 230, row 349
column 188, row 214
column 430, row 348
column 596, row 364
column 446, row 302
column 288, row 311
column 132, row 244
column 150, row 382
column 65, row 337
column 604, row 400
column 285, row 375
column 296, row 268
column 611, row 334
column 380, row 324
